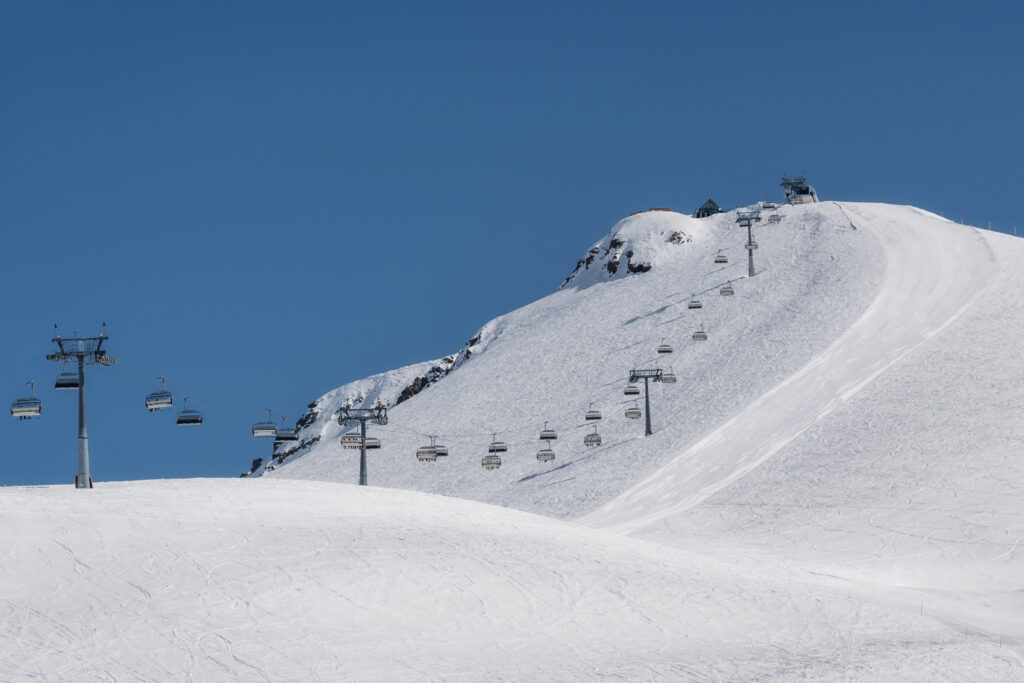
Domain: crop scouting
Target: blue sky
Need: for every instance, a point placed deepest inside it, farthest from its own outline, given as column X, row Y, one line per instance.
column 266, row 200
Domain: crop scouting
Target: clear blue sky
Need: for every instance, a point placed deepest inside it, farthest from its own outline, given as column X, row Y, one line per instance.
column 266, row 200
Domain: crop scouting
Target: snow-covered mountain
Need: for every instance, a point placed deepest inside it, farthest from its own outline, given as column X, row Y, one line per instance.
column 834, row 489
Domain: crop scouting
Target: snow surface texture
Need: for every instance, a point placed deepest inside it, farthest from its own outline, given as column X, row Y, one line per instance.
column 282, row 580
column 834, row 489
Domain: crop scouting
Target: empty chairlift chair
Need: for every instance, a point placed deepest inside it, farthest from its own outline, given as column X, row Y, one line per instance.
column 372, row 443
column 727, row 289
column 632, row 390
column 189, row 417
column 285, row 433
column 28, row 407
column 66, row 380
column 721, row 258
column 750, row 245
column 694, row 302
column 547, row 434
column 592, row 439
column 700, row 335
column 159, row 400
column 668, row 377
column 439, row 450
column 664, row 347
column 352, row 440
column 634, row 412
column 492, row 460
column 592, row 415
column 265, row 428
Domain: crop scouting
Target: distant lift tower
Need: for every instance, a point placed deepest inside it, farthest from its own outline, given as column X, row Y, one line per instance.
column 798, row 191
column 647, row 376
column 349, row 417
column 83, row 350
column 747, row 219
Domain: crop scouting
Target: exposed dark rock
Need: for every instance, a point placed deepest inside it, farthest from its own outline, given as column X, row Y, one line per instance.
column 256, row 465
column 612, row 266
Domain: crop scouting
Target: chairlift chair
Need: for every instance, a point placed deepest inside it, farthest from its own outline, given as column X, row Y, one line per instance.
column 592, row 415
column 700, row 335
column 496, row 446
column 441, row 451
column 664, row 347
column 265, row 428
column 426, row 454
column 721, row 258
column 693, row 302
column 372, row 443
column 632, row 390
column 28, row 407
column 634, row 412
column 548, row 434
column 490, row 462
column 668, row 377
column 286, row 433
column 351, row 440
column 545, row 454
column 592, row 439
column 189, row 417
column 726, row 289
column 66, row 380
column 159, row 400
column 750, row 246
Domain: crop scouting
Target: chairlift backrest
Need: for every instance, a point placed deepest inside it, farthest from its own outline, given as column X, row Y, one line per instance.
column 490, row 462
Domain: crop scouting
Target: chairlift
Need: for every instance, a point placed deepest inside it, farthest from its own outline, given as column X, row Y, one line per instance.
column 700, row 335
column 426, row 454
column 286, row 433
column 490, row 462
column 68, row 379
column 668, row 377
column 441, row 451
column 750, row 246
column 28, row 407
column 548, row 434
column 265, row 428
column 351, row 440
column 592, row 439
column 726, row 289
column 372, row 443
column 775, row 218
column 634, row 412
column 592, row 415
column 159, row 400
column 632, row 390
column 189, row 417
column 721, row 258
column 694, row 302
column 497, row 446
column 664, row 347
column 545, row 454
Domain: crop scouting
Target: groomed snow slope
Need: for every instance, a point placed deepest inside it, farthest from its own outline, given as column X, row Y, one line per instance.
column 304, row 581
column 547, row 361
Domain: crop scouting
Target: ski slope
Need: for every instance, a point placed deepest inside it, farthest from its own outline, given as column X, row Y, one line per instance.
column 289, row 580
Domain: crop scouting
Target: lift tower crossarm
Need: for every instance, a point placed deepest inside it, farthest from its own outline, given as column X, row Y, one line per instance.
column 82, row 351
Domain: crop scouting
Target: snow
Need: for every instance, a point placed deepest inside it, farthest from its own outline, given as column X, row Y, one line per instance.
column 834, row 489
column 289, row 580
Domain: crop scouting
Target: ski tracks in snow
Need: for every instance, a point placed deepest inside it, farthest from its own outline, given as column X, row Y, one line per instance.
column 935, row 270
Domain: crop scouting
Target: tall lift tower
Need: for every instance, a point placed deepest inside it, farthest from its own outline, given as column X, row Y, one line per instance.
column 83, row 350
column 360, row 416
column 747, row 219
